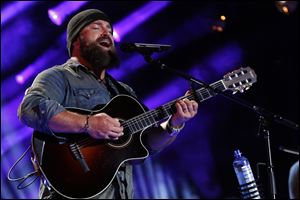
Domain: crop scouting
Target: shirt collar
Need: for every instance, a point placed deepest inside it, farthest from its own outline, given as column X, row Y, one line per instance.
column 74, row 62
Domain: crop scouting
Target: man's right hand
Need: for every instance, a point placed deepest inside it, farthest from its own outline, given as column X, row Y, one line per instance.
column 102, row 126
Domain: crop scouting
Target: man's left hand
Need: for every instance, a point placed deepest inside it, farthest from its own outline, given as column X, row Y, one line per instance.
column 186, row 110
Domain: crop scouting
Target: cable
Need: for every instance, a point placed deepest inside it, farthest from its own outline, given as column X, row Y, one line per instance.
column 22, row 179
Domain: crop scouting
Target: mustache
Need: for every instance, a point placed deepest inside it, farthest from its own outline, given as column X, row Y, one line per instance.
column 104, row 38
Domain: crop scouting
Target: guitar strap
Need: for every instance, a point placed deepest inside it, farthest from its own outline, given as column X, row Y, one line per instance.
column 121, row 89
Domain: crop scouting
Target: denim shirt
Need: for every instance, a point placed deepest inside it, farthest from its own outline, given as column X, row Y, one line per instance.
column 71, row 85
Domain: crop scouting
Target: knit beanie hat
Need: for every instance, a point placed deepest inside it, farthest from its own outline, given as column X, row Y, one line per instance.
column 79, row 21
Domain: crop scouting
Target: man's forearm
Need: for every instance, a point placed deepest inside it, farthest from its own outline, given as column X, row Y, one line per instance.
column 67, row 121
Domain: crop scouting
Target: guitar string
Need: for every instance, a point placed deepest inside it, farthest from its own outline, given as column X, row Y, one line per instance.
column 128, row 124
column 135, row 119
column 157, row 111
column 154, row 113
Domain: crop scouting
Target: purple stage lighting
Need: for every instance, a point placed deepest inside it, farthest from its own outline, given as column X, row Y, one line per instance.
column 25, row 74
column 14, row 9
column 20, row 79
column 138, row 17
column 38, row 65
column 116, row 36
column 60, row 12
column 55, row 18
column 170, row 92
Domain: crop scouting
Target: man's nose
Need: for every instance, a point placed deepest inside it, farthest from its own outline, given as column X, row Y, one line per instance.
column 105, row 32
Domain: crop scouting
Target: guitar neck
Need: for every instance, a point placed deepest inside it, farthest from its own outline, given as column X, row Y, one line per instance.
column 152, row 117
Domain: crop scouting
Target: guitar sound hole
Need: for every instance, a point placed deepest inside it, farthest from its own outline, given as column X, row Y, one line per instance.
column 121, row 142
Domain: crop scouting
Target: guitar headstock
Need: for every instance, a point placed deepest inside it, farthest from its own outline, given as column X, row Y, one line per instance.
column 240, row 79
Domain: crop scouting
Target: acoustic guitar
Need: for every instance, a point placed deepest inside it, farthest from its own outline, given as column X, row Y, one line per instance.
column 80, row 166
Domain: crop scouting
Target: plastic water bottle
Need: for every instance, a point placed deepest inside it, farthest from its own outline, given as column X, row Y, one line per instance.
column 248, row 187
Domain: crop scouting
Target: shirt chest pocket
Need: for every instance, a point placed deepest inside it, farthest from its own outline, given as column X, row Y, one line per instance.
column 89, row 98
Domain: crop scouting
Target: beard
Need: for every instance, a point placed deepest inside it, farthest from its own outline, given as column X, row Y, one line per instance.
column 98, row 58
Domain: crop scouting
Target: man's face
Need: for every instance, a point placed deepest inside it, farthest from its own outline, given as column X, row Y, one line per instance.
column 97, row 45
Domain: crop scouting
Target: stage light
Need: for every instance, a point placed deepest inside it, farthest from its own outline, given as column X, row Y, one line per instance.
column 116, row 36
column 55, row 18
column 20, row 79
column 58, row 14
column 286, row 7
column 219, row 24
column 25, row 74
column 217, row 28
column 222, row 17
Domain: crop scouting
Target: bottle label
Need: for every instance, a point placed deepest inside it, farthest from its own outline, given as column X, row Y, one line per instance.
column 248, row 187
column 244, row 174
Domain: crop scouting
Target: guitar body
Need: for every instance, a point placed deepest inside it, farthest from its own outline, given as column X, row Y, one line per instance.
column 103, row 158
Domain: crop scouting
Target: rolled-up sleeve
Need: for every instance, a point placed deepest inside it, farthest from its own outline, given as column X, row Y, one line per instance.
column 43, row 100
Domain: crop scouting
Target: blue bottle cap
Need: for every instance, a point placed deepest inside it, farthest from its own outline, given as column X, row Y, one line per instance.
column 237, row 153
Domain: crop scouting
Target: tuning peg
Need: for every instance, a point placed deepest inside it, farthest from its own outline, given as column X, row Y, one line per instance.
column 241, row 90
column 247, row 88
column 235, row 91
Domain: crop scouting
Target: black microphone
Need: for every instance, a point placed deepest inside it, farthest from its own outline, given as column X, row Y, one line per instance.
column 143, row 47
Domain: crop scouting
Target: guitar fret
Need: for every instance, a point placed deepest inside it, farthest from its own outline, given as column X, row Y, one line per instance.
column 204, row 93
column 168, row 110
column 131, row 127
column 148, row 120
column 201, row 96
column 152, row 119
column 138, row 124
column 135, row 128
column 211, row 93
column 164, row 111
column 143, row 121
column 127, row 129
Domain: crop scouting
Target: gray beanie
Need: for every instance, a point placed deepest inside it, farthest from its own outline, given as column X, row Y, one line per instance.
column 79, row 21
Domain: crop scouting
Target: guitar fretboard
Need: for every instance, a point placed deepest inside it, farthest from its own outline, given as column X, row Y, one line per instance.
column 152, row 117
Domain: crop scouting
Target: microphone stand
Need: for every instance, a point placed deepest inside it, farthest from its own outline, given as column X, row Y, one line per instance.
column 265, row 116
